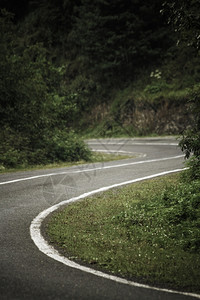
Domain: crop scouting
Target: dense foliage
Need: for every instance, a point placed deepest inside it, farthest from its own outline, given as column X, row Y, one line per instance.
column 190, row 141
column 185, row 18
column 70, row 63
column 119, row 36
column 183, row 15
column 35, row 111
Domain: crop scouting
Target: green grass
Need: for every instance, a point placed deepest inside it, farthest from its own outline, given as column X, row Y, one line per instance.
column 95, row 157
column 144, row 232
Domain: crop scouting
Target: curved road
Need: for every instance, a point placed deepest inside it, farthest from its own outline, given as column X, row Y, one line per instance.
column 26, row 272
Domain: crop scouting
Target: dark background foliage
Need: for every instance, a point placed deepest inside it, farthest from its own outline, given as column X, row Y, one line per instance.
column 67, row 64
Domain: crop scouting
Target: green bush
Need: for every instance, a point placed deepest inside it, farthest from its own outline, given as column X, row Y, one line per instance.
column 193, row 171
column 12, row 148
column 65, row 146
column 172, row 217
column 190, row 141
column 60, row 146
column 36, row 111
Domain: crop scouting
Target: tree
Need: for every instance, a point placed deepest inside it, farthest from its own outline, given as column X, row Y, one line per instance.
column 49, row 22
column 19, row 8
column 190, row 141
column 118, row 35
column 35, row 110
column 184, row 16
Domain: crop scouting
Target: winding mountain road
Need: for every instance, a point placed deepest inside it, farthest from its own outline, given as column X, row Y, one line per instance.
column 28, row 273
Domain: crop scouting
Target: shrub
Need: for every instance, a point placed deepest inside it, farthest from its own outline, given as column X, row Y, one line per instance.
column 190, row 141
column 35, row 109
column 172, row 217
column 65, row 146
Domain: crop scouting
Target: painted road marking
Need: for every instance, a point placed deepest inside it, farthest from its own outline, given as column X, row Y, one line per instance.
column 91, row 169
column 118, row 151
column 134, row 143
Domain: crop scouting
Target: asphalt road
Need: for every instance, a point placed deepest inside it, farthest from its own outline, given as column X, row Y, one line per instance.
column 26, row 272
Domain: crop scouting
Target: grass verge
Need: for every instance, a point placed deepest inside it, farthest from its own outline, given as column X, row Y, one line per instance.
column 149, row 232
column 95, row 157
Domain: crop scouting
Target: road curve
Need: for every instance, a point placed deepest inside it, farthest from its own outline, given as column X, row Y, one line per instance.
column 26, row 272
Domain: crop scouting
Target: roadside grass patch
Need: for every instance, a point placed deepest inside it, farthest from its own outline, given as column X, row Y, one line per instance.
column 148, row 231
column 105, row 157
column 95, row 157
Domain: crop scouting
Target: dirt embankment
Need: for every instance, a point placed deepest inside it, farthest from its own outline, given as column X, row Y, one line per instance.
column 145, row 118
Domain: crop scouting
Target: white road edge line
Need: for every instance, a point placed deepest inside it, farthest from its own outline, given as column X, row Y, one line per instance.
column 90, row 170
column 115, row 151
column 136, row 143
column 44, row 247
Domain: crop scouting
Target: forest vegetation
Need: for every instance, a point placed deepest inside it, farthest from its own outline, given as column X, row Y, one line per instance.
column 72, row 68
